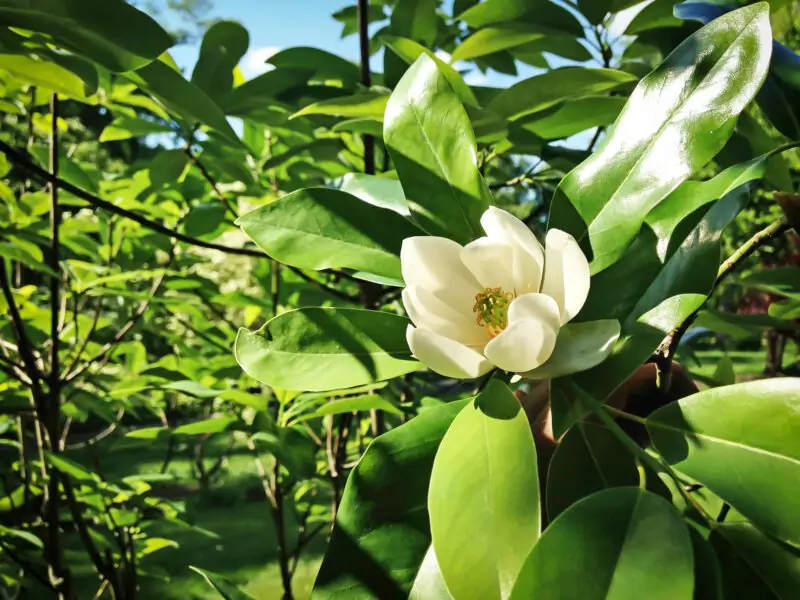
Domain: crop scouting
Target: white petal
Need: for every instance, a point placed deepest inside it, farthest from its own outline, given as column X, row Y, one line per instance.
column 445, row 356
column 434, row 264
column 580, row 346
column 490, row 261
column 528, row 253
column 428, row 311
column 566, row 273
column 539, row 307
column 522, row 346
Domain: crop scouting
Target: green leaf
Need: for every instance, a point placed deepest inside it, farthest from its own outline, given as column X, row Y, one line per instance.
column 494, row 39
column 753, row 565
column 366, row 105
column 741, row 326
column 322, row 228
column 541, row 13
column 686, row 109
column 415, row 20
column 168, row 168
column 613, row 544
column 382, row 536
column 42, row 73
column 208, row 426
column 707, row 576
column 110, row 32
column 356, row 403
column 369, row 126
column 579, row 346
column 574, row 116
column 429, row 584
column 19, row 253
column 204, row 218
column 124, row 128
column 435, row 157
column 382, row 192
column 410, row 51
column 326, row 65
column 184, row 99
column 596, row 10
column 588, row 459
column 223, row 45
column 548, row 89
column 251, row 97
column 484, row 496
column 319, row 349
column 703, row 436
column 222, row 586
column 784, row 281
column 191, row 388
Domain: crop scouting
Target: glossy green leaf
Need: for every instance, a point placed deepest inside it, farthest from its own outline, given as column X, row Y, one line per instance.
column 356, row 403
column 184, row 99
column 655, row 15
column 707, row 575
column 111, row 32
column 484, row 496
column 685, row 110
column 124, row 128
column 741, row 326
column 43, row 73
column 322, row 228
column 595, row 10
column 222, row 586
column 382, row 536
column 325, row 64
column 410, row 51
column 367, row 105
column 753, row 565
column 223, row 45
column 588, row 459
column 319, row 349
column 436, row 161
column 574, row 116
column 613, row 544
column 22, row 255
column 429, row 584
column 191, row 388
column 383, row 192
column 703, row 436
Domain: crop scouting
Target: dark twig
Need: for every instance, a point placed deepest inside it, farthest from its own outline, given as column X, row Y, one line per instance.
column 27, row 164
column 207, row 176
column 315, row 282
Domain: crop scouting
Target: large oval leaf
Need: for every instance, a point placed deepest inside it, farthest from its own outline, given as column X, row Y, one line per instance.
column 224, row 44
column 319, row 349
column 322, row 228
column 110, row 32
column 484, row 496
column 676, row 120
column 381, row 539
column 618, row 543
column 741, row 442
column 431, row 142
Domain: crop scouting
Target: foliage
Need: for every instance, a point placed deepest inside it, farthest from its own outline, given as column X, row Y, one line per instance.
column 204, row 273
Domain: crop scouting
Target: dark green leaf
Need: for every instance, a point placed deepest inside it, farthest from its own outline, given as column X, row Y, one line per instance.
column 574, row 116
column 367, row 105
column 223, row 45
column 415, row 20
column 124, row 128
column 326, row 65
column 43, row 73
column 222, row 586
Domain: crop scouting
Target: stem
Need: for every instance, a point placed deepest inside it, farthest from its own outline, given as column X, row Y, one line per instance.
column 21, row 160
column 366, row 79
column 322, row 286
column 207, row 176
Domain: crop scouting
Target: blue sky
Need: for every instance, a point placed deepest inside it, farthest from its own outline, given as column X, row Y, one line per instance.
column 278, row 24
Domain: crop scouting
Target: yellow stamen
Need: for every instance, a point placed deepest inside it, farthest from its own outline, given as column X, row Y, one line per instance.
column 491, row 309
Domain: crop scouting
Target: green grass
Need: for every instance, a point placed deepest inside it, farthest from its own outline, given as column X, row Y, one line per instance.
column 244, row 549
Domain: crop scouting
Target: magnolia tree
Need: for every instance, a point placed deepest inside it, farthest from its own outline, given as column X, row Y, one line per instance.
column 453, row 327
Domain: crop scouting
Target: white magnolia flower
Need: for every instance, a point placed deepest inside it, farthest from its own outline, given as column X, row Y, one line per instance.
column 501, row 301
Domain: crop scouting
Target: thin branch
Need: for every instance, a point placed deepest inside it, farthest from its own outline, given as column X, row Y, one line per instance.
column 26, row 567
column 322, row 286
column 27, row 164
column 207, row 176
column 366, row 79
column 92, row 328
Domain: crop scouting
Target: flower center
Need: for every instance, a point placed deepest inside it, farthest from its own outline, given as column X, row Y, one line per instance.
column 491, row 309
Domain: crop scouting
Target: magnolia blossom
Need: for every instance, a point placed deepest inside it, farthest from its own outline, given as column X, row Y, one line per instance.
column 500, row 301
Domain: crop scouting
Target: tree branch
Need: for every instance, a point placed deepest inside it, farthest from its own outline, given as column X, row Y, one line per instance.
column 27, row 164
column 207, row 176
